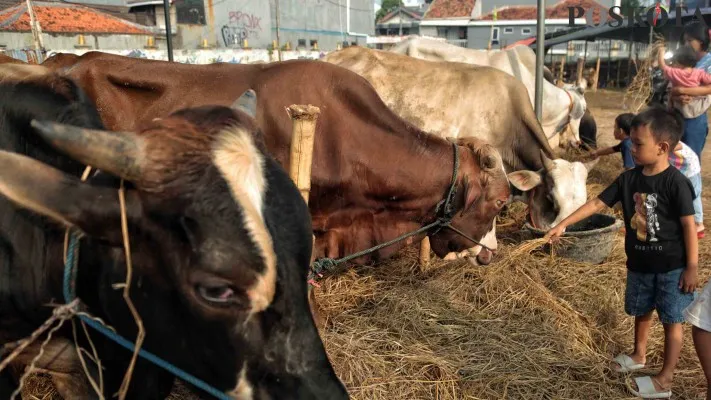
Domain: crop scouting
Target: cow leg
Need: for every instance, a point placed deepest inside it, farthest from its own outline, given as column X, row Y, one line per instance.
column 424, row 252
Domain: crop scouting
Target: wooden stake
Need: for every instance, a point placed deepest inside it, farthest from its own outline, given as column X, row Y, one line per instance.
column 581, row 64
column 424, row 252
column 302, row 145
column 562, row 68
column 596, row 76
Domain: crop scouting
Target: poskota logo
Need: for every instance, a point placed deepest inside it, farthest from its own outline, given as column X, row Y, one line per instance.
column 639, row 17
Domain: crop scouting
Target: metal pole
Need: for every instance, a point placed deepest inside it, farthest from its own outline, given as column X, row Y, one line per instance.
column 278, row 49
column 399, row 14
column 540, row 53
column 168, row 36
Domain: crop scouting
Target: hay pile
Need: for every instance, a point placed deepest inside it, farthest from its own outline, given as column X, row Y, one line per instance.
column 526, row 327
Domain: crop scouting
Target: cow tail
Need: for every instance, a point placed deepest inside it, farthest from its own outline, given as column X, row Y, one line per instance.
column 528, row 115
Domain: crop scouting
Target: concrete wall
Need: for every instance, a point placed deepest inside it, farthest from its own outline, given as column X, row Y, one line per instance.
column 324, row 21
column 478, row 36
column 236, row 20
column 23, row 40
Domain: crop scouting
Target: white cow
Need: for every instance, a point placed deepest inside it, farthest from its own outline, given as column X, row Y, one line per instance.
column 562, row 108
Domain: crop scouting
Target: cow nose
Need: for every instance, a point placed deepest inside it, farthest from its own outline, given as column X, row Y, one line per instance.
column 484, row 257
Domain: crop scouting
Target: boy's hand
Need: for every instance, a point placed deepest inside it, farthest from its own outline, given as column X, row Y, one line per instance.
column 689, row 279
column 554, row 234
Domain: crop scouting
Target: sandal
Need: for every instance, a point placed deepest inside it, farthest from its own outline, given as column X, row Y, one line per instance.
column 645, row 384
column 626, row 363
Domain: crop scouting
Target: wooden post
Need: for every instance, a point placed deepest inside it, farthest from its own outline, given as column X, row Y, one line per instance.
column 580, row 71
column 596, row 76
column 302, row 142
column 424, row 251
column 562, row 68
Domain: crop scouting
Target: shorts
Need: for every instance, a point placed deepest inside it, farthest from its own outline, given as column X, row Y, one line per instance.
column 698, row 206
column 698, row 313
column 648, row 291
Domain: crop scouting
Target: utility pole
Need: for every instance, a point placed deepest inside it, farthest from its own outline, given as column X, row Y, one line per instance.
column 399, row 14
column 540, row 53
column 278, row 49
column 35, row 27
column 168, row 36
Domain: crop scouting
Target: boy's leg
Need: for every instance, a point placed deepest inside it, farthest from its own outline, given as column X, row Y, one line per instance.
column 639, row 303
column 698, row 314
column 670, row 303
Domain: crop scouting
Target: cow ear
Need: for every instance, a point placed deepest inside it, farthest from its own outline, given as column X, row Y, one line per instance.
column 63, row 198
column 590, row 164
column 247, row 103
column 524, row 180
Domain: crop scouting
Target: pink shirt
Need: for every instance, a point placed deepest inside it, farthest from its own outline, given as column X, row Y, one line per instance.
column 687, row 78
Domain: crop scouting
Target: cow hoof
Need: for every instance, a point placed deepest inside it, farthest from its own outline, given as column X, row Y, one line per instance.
column 451, row 257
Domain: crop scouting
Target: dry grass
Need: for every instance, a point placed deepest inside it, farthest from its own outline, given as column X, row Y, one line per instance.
column 640, row 89
column 529, row 326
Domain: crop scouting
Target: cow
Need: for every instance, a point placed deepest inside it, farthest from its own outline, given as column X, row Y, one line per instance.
column 439, row 97
column 220, row 243
column 9, row 60
column 374, row 175
column 562, row 108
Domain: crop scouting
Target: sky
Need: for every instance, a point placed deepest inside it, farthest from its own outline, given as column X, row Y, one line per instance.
column 408, row 3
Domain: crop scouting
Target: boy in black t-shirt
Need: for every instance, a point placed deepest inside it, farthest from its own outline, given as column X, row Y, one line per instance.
column 660, row 243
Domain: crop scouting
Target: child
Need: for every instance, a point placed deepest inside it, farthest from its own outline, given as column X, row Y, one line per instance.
column 660, row 243
column 686, row 161
column 698, row 314
column 684, row 75
column 621, row 133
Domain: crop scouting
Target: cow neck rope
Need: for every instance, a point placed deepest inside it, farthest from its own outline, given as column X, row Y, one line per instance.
column 444, row 221
column 70, row 275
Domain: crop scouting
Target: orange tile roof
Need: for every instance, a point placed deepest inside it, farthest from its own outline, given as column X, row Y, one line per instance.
column 450, row 9
column 558, row 11
column 66, row 18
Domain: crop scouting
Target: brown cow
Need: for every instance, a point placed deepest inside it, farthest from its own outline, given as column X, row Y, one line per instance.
column 374, row 175
column 9, row 60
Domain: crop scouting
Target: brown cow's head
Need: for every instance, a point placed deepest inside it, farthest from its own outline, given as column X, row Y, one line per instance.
column 220, row 243
column 483, row 190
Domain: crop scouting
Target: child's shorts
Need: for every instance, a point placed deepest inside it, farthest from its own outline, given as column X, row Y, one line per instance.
column 647, row 291
column 699, row 312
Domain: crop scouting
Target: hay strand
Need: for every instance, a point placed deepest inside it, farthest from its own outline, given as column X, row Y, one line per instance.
column 640, row 89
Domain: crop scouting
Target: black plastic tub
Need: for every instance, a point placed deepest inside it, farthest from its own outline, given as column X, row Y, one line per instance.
column 593, row 239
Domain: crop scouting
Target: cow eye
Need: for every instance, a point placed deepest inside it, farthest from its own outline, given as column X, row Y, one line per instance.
column 500, row 203
column 217, row 293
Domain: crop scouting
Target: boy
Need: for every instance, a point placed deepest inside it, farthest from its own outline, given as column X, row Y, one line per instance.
column 660, row 243
column 621, row 133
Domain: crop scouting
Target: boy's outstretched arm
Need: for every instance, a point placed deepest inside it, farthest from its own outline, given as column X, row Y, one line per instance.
column 586, row 210
column 689, row 278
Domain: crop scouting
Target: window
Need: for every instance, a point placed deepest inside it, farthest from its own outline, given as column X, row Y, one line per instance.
column 463, row 32
column 495, row 36
column 525, row 31
column 301, row 43
column 190, row 11
column 508, row 30
column 442, row 32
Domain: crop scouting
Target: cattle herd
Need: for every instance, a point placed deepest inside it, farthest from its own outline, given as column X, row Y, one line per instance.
column 221, row 239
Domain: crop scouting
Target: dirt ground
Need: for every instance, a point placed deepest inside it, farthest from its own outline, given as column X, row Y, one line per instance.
column 528, row 326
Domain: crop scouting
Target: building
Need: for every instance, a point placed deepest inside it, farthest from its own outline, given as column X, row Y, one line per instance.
column 67, row 26
column 398, row 23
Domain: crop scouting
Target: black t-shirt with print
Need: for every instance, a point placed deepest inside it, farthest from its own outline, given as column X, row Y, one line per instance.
column 652, row 208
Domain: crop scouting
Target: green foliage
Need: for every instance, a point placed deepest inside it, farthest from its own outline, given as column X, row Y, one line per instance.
column 386, row 7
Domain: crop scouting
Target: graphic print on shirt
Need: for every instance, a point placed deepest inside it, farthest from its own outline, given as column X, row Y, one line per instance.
column 645, row 220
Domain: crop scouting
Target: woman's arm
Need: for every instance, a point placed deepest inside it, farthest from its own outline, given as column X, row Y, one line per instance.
column 692, row 91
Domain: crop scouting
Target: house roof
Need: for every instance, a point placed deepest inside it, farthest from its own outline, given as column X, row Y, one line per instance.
column 557, row 11
column 66, row 18
column 413, row 12
column 450, row 9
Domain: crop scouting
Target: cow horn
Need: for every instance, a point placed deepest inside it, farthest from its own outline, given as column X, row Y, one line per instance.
column 547, row 162
column 118, row 153
column 247, row 103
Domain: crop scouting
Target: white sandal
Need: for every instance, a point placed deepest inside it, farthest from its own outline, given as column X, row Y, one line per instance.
column 626, row 363
column 645, row 384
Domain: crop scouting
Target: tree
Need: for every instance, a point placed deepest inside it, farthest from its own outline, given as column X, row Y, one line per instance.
column 387, row 7
column 629, row 7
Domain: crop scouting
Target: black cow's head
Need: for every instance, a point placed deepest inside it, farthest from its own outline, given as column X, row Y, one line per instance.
column 220, row 245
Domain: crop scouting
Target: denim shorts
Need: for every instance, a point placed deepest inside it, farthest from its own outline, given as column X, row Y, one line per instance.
column 647, row 291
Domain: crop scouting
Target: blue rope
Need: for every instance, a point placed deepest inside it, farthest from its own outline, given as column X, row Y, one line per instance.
column 70, row 272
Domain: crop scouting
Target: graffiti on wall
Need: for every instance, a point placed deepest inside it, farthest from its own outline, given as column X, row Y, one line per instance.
column 240, row 26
